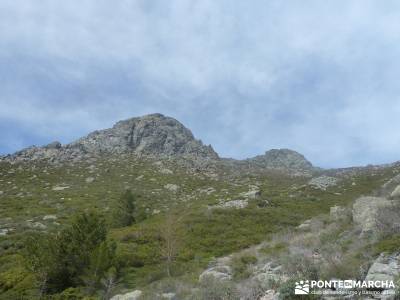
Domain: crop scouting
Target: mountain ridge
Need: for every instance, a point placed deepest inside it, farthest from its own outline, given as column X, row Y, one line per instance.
column 159, row 136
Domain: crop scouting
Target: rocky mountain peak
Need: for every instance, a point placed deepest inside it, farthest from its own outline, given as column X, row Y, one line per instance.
column 153, row 135
column 282, row 159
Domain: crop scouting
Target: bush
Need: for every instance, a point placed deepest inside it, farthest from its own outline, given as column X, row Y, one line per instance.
column 240, row 265
column 78, row 255
column 301, row 266
column 212, row 289
column 388, row 245
column 123, row 213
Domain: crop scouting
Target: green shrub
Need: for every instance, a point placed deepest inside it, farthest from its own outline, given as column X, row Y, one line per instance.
column 212, row 289
column 78, row 255
column 123, row 213
column 388, row 245
column 275, row 249
column 240, row 266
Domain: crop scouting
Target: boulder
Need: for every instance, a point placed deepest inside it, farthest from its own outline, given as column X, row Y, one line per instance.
column 60, row 188
column 166, row 171
column 219, row 272
column 269, row 272
column 135, row 295
column 49, row 217
column 367, row 213
column 270, row 295
column 89, row 179
column 385, row 268
column 4, row 232
column 233, row 204
column 172, row 187
column 252, row 194
column 53, row 145
column 323, row 182
column 36, row 225
column 306, row 225
column 396, row 192
column 337, row 213
column 169, row 296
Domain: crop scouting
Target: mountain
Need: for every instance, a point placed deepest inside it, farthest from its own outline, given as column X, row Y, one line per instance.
column 281, row 159
column 158, row 136
column 246, row 222
column 150, row 135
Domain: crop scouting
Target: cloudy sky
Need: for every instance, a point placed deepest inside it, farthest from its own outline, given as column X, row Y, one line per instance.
column 319, row 77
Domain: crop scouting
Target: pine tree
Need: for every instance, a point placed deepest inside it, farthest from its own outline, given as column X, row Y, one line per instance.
column 124, row 210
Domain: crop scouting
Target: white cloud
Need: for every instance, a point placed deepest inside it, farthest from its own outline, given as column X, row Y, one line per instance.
column 319, row 77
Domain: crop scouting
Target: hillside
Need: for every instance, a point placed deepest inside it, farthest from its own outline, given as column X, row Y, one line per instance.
column 216, row 207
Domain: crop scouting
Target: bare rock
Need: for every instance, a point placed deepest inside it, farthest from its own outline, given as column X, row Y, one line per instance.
column 253, row 193
column 166, row 171
column 172, row 187
column 396, row 192
column 4, row 231
column 233, row 204
column 221, row 271
column 36, row 225
column 323, row 182
column 169, row 296
column 270, row 295
column 135, row 295
column 60, row 188
column 282, row 159
column 371, row 212
column 339, row 213
column 384, row 268
column 89, row 180
column 49, row 217
column 306, row 225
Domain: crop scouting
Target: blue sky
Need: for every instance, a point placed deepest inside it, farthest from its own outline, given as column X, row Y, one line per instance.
column 319, row 77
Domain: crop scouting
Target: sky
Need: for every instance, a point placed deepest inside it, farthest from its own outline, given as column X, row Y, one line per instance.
column 318, row 77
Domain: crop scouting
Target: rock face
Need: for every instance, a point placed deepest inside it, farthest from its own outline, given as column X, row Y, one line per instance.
column 282, row 159
column 154, row 135
column 385, row 267
column 150, row 135
column 159, row 136
column 370, row 213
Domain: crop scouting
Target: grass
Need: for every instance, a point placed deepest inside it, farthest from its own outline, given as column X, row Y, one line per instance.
column 388, row 245
column 28, row 195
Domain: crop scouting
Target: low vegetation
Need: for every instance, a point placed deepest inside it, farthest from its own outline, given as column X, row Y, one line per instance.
column 70, row 238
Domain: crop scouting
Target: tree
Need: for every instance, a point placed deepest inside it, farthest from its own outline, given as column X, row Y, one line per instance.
column 41, row 254
column 79, row 254
column 170, row 240
column 109, row 282
column 101, row 260
column 124, row 210
column 79, row 241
